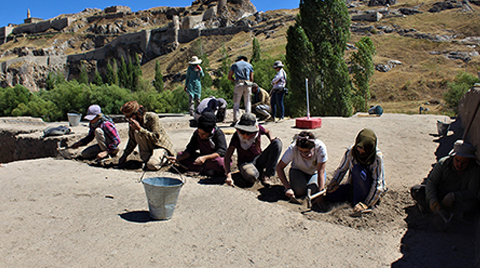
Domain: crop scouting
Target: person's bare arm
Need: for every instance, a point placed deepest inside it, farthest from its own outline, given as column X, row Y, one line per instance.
column 230, row 76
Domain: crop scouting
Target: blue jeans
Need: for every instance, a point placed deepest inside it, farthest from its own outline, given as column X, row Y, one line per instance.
column 301, row 182
column 277, row 100
column 357, row 191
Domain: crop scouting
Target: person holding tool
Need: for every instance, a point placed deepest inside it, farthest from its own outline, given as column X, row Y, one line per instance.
column 453, row 185
column 366, row 178
column 308, row 156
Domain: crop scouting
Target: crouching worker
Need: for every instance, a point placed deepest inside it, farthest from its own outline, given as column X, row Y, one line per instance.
column 253, row 163
column 453, row 185
column 103, row 130
column 308, row 156
column 145, row 130
column 366, row 179
column 210, row 141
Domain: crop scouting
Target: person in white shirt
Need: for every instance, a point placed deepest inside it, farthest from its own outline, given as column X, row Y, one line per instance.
column 278, row 90
column 308, row 156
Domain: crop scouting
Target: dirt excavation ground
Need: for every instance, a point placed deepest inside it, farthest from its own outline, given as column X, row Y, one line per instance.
column 69, row 213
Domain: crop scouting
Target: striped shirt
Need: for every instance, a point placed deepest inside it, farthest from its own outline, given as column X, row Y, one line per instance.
column 378, row 175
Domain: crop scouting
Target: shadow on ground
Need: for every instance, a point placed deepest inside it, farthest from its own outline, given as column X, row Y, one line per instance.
column 429, row 241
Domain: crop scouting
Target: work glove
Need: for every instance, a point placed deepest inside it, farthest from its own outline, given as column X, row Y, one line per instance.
column 435, row 207
column 449, row 199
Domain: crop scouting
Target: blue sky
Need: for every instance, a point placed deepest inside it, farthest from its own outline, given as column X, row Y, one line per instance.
column 14, row 11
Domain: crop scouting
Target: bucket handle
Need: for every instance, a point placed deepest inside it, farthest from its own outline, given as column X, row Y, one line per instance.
column 73, row 111
column 164, row 165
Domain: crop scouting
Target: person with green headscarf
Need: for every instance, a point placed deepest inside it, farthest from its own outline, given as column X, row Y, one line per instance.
column 366, row 178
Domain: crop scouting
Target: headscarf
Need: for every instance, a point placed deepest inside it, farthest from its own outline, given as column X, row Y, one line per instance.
column 129, row 108
column 367, row 140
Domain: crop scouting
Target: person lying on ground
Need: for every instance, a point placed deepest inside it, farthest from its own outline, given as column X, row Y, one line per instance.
column 453, row 185
column 366, row 178
column 105, row 133
column 253, row 163
column 146, row 130
column 308, row 156
column 210, row 141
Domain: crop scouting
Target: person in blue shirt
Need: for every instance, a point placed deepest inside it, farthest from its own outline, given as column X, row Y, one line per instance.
column 243, row 72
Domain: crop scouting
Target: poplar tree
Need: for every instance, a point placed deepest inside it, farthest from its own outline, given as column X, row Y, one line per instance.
column 158, row 82
column 122, row 74
column 256, row 55
column 321, row 33
column 363, row 69
column 98, row 79
column 111, row 77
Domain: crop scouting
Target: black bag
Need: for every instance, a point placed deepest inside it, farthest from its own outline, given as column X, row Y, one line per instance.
column 285, row 90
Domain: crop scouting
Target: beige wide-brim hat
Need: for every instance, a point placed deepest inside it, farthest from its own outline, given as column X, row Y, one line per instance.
column 463, row 148
column 195, row 60
column 278, row 64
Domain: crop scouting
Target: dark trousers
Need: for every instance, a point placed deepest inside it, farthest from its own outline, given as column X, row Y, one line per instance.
column 276, row 100
column 264, row 164
column 355, row 192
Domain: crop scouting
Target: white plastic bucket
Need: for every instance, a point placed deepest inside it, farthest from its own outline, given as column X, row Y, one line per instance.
column 162, row 194
column 74, row 119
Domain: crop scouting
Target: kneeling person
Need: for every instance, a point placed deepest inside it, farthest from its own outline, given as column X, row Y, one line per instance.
column 103, row 130
column 253, row 163
column 308, row 156
column 210, row 141
column 453, row 185
column 146, row 130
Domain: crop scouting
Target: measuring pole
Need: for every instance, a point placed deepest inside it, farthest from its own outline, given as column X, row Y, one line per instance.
column 308, row 105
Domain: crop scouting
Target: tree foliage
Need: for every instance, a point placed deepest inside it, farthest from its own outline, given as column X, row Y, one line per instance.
column 363, row 69
column 256, row 53
column 457, row 89
column 158, row 82
column 315, row 50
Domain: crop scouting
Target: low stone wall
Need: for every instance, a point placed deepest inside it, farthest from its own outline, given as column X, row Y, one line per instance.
column 21, row 138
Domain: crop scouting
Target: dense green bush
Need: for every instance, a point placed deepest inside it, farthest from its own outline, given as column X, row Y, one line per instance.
column 10, row 98
column 457, row 89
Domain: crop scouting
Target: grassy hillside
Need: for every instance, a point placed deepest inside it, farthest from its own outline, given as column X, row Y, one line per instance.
column 422, row 77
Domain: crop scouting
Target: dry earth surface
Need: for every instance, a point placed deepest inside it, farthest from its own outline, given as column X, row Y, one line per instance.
column 67, row 213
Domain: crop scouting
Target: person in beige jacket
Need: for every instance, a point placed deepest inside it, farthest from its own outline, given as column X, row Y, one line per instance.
column 146, row 130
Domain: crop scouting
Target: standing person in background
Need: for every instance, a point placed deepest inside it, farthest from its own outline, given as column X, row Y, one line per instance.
column 193, row 85
column 105, row 133
column 261, row 102
column 146, row 130
column 243, row 72
column 278, row 91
